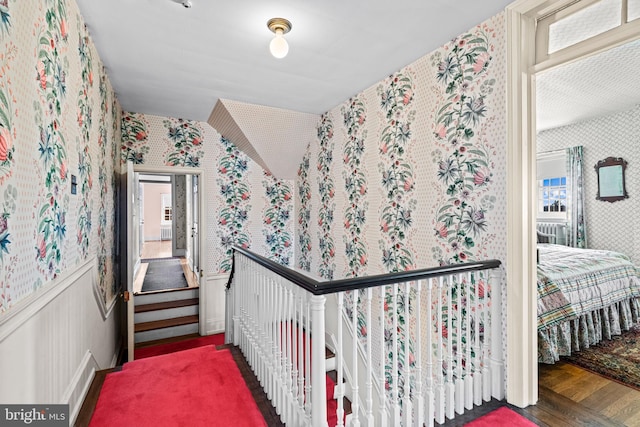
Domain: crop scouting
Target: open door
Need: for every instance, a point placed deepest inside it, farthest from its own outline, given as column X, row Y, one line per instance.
column 195, row 241
column 133, row 250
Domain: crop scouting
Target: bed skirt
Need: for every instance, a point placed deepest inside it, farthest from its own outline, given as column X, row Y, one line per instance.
column 587, row 330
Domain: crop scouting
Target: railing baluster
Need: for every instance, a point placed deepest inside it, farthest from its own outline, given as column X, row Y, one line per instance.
column 407, row 408
column 440, row 365
column 497, row 365
column 289, row 358
column 368, row 328
column 307, row 361
column 470, row 362
column 430, row 396
column 486, row 371
column 450, row 385
column 339, row 363
column 459, row 392
column 383, row 357
column 419, row 411
column 355, row 405
column 477, row 372
column 395, row 404
column 318, row 371
column 300, row 348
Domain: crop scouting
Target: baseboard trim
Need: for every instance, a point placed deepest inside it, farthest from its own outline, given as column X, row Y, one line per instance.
column 79, row 386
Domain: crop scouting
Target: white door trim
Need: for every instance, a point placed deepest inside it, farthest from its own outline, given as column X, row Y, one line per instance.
column 180, row 170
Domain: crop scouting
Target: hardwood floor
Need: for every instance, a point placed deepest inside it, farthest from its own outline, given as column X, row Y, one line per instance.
column 156, row 249
column 616, row 402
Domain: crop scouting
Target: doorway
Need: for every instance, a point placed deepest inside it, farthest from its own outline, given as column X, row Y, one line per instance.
column 529, row 53
column 167, row 206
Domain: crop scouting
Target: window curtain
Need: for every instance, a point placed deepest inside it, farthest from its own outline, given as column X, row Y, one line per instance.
column 577, row 229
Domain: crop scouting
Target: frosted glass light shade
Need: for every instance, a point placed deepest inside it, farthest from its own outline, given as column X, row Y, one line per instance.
column 279, row 46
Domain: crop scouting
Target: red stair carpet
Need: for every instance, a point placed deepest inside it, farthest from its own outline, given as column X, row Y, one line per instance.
column 502, row 417
column 195, row 387
column 156, row 350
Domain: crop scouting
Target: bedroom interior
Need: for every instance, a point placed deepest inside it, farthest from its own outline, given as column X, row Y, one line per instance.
column 582, row 108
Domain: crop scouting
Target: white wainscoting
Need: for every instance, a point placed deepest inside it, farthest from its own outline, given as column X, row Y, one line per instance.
column 52, row 343
column 212, row 304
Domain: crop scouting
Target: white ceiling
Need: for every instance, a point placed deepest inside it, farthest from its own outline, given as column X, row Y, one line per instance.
column 167, row 60
column 596, row 86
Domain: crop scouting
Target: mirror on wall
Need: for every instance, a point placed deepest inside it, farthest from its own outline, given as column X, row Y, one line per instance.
column 611, row 184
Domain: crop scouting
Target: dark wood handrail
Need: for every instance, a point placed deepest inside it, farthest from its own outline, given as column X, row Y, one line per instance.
column 364, row 282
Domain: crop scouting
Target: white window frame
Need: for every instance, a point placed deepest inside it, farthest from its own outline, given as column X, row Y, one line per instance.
column 166, row 204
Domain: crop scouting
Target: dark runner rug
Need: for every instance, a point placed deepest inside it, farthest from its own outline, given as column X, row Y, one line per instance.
column 164, row 274
column 617, row 359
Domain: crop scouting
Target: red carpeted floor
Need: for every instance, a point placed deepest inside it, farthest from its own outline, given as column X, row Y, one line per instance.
column 195, row 387
column 141, row 353
column 502, row 417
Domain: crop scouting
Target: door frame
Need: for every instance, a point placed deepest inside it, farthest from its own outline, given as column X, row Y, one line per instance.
column 166, row 170
column 521, row 310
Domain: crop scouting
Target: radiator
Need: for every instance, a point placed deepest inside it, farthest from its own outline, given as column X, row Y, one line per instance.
column 555, row 229
column 165, row 232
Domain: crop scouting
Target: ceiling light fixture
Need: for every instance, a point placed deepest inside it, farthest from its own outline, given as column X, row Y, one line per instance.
column 279, row 46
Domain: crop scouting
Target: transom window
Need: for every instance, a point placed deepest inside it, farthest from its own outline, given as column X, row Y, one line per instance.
column 577, row 21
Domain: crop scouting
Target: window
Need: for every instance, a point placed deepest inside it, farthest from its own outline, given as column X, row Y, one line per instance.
column 552, row 185
column 167, row 214
column 571, row 22
column 167, row 211
column 552, row 196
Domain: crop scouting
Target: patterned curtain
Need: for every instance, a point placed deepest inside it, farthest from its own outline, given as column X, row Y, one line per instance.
column 577, row 233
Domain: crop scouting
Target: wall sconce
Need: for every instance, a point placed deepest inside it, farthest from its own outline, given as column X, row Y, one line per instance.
column 279, row 46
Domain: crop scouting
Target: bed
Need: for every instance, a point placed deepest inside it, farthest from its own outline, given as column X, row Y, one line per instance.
column 584, row 297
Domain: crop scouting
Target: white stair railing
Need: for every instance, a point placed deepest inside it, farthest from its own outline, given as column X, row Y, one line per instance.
column 437, row 332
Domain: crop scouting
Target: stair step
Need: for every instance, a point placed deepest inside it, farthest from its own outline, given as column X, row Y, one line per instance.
column 166, row 305
column 164, row 296
column 169, row 313
column 346, row 405
column 166, row 333
column 166, row 323
column 333, row 374
column 167, row 340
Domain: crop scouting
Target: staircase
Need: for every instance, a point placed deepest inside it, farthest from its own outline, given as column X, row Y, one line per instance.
column 166, row 314
column 332, row 384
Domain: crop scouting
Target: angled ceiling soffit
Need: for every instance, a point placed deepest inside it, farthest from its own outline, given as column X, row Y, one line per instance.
column 275, row 138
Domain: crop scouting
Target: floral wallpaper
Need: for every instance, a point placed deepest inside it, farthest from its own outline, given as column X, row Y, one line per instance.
column 304, row 215
column 134, row 139
column 180, row 213
column 50, row 103
column 236, row 196
column 106, row 183
column 52, row 66
column 326, row 190
column 396, row 170
column 355, row 185
column 84, row 154
column 277, row 220
column 184, row 138
column 462, row 154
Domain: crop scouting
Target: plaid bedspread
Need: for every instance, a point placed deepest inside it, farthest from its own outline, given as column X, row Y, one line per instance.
column 573, row 282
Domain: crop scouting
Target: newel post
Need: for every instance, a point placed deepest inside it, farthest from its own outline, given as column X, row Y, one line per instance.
column 497, row 357
column 318, row 369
